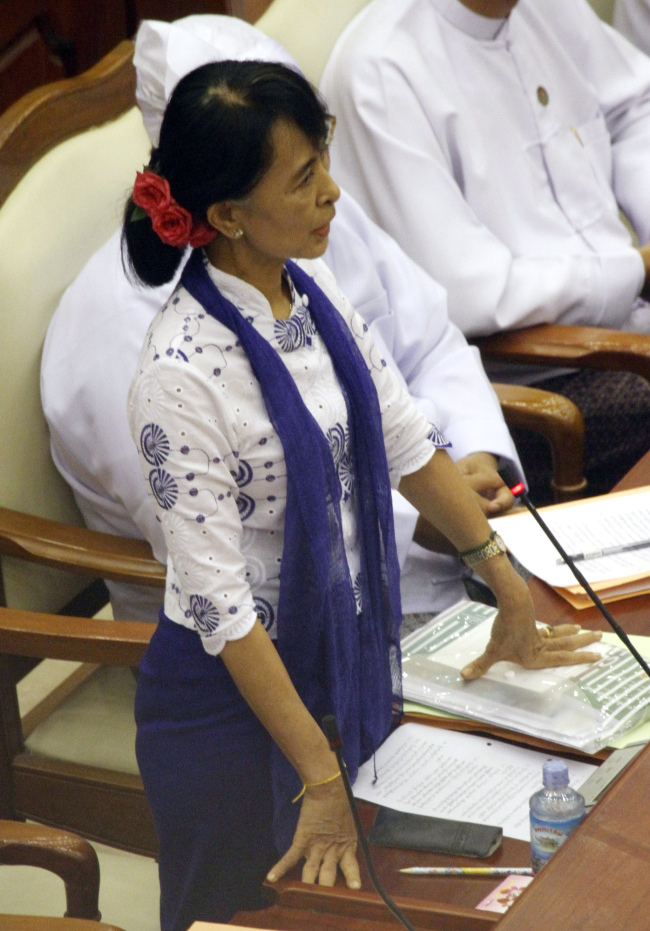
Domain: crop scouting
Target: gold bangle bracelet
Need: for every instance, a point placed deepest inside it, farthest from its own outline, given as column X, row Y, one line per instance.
column 312, row 785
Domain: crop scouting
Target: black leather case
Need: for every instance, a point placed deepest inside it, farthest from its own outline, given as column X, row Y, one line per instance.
column 436, row 835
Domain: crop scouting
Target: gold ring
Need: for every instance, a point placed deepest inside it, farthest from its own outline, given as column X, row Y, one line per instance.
column 546, row 631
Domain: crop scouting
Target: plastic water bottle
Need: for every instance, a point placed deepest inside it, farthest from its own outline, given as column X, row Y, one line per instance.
column 555, row 812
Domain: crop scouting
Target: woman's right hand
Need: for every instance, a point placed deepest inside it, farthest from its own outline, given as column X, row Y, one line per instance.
column 325, row 837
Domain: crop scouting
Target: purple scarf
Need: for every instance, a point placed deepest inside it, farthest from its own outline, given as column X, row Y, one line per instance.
column 340, row 663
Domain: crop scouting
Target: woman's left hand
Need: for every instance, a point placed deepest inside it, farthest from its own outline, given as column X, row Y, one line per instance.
column 515, row 637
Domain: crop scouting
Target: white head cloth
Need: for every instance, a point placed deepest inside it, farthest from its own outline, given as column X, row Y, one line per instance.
column 166, row 52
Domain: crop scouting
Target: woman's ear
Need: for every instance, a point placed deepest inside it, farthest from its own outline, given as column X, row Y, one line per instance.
column 223, row 217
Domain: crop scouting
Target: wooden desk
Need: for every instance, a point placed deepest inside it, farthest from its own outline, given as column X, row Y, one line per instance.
column 598, row 881
column 440, row 903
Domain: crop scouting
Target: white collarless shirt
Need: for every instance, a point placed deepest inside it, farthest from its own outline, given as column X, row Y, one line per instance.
column 632, row 19
column 497, row 152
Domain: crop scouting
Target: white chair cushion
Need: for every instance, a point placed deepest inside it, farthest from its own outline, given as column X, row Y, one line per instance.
column 308, row 29
column 56, row 218
column 95, row 725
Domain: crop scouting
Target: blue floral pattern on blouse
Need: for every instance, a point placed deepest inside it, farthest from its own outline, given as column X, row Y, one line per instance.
column 245, row 506
column 244, row 476
column 204, row 613
column 296, row 332
column 437, row 438
column 339, row 439
column 154, row 444
column 265, row 612
column 164, row 488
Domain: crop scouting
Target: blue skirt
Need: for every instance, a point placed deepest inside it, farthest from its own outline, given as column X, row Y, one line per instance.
column 205, row 762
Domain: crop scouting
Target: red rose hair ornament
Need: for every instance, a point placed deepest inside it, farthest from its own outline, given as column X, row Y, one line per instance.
column 171, row 222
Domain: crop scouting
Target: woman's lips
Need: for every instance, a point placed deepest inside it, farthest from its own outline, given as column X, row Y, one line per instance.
column 323, row 231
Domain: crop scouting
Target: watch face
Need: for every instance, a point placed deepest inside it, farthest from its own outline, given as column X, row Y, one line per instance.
column 493, row 546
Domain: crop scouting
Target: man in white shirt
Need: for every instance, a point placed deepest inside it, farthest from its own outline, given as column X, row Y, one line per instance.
column 496, row 140
column 95, row 337
column 632, row 19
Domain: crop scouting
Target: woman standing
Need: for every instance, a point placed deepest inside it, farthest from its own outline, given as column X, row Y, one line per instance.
column 270, row 432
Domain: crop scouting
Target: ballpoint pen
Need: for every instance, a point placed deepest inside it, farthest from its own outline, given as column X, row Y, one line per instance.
column 467, row 870
column 607, row 551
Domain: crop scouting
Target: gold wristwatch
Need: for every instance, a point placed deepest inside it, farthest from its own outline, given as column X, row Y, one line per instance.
column 493, row 546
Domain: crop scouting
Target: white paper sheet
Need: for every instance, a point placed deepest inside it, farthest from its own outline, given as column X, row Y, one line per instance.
column 445, row 774
column 587, row 526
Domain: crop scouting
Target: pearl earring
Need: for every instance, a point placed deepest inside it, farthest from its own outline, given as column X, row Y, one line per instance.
column 238, row 233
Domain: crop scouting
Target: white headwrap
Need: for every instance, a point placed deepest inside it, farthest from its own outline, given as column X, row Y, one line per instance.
column 166, row 52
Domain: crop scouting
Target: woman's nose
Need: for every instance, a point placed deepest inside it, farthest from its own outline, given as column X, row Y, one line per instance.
column 330, row 191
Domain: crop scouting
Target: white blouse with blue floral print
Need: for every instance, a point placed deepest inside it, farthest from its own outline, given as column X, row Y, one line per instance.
column 214, row 464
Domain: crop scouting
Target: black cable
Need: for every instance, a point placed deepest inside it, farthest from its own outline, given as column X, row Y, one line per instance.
column 331, row 731
column 517, row 488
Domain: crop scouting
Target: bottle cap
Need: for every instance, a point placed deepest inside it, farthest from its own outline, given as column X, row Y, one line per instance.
column 555, row 774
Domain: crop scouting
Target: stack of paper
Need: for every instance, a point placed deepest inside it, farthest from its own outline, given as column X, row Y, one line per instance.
column 585, row 706
column 608, row 536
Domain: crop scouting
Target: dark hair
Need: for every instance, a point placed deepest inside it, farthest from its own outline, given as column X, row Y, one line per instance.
column 215, row 144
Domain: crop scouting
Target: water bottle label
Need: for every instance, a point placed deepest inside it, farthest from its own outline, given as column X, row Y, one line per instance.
column 547, row 836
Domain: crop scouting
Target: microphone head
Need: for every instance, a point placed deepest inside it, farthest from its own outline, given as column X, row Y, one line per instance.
column 511, row 478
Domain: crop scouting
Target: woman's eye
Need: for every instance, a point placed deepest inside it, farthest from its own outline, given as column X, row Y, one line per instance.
column 306, row 178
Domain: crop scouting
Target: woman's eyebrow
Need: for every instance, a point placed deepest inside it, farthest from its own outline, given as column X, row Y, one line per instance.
column 300, row 172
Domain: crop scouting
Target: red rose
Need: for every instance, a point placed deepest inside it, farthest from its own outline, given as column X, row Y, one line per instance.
column 173, row 225
column 151, row 192
column 202, row 233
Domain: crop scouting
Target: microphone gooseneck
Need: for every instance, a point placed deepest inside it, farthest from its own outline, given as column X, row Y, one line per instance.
column 518, row 489
column 331, row 731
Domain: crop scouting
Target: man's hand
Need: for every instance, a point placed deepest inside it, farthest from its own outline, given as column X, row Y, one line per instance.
column 480, row 472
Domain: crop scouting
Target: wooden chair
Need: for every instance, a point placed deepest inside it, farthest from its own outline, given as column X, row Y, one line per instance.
column 44, row 243
column 574, row 346
column 70, row 858
column 81, row 139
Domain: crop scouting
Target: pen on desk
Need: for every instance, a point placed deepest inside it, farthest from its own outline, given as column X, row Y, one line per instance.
column 468, row 870
column 607, row 551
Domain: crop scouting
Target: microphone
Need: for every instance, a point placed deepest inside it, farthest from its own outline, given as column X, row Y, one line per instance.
column 331, row 731
column 517, row 488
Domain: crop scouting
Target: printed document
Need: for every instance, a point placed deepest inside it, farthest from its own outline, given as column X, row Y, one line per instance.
column 583, row 527
column 445, row 774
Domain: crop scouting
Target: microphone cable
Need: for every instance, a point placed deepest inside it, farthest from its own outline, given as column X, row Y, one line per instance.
column 331, row 730
column 518, row 489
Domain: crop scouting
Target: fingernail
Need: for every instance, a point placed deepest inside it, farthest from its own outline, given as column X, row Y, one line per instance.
column 271, row 877
column 467, row 671
column 355, row 884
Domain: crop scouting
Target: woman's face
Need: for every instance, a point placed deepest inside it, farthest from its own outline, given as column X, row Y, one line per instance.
column 288, row 213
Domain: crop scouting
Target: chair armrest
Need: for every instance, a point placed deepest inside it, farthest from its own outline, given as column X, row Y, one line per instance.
column 575, row 346
column 560, row 421
column 78, row 549
column 86, row 640
column 72, row 859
